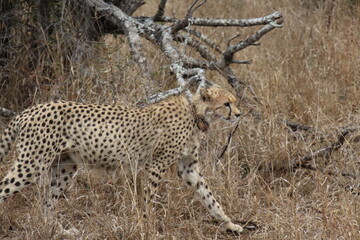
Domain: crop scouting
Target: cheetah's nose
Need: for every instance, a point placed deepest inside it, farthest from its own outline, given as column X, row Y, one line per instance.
column 237, row 115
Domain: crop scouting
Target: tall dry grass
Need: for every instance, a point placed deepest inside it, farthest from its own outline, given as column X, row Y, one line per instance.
column 308, row 72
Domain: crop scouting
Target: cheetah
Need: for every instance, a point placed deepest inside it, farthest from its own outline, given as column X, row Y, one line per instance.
column 56, row 138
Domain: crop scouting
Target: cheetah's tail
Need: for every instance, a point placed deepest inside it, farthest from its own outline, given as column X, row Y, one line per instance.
column 8, row 138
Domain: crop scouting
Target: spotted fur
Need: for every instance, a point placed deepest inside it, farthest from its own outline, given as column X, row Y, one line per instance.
column 55, row 138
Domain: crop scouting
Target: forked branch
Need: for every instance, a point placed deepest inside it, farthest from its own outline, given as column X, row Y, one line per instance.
column 228, row 55
column 165, row 35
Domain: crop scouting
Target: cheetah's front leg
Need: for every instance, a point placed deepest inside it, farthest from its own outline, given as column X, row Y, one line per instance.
column 188, row 171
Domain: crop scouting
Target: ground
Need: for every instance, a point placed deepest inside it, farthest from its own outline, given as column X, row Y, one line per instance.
column 305, row 72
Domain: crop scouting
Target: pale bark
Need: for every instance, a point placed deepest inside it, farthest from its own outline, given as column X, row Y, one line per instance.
column 165, row 36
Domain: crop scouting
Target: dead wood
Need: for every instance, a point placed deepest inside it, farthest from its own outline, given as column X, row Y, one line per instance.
column 305, row 161
column 164, row 36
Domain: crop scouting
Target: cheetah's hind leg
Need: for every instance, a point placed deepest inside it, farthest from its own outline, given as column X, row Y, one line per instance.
column 18, row 177
column 61, row 173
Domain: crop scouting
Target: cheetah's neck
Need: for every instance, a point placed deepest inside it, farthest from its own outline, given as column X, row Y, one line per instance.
column 200, row 120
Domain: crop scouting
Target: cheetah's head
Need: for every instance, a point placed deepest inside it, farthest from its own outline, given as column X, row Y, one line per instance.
column 216, row 103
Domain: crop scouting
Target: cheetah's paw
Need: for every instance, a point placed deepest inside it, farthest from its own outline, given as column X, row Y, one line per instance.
column 233, row 228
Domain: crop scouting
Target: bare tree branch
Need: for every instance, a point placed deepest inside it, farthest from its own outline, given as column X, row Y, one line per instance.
column 228, row 55
column 225, row 147
column 235, row 22
column 241, row 61
column 232, row 38
column 137, row 52
column 224, row 22
column 164, row 36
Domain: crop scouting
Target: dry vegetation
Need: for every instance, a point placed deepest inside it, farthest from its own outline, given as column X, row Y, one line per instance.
column 307, row 72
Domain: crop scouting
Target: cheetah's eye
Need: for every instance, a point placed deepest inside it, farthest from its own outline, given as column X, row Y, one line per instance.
column 227, row 104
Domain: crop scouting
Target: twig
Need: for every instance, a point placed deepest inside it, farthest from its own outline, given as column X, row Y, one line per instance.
column 242, row 61
column 205, row 39
column 194, row 7
column 304, row 162
column 4, row 112
column 228, row 54
column 229, row 139
column 181, row 24
column 232, row 38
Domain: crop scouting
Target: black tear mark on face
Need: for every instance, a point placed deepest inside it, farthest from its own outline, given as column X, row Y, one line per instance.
column 227, row 104
column 230, row 110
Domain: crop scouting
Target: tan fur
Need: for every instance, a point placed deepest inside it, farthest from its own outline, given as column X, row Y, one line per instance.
column 57, row 137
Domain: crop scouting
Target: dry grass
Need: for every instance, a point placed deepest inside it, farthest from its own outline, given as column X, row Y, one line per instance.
column 307, row 72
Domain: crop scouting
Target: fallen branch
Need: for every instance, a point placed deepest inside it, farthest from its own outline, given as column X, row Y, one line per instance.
column 164, row 37
column 228, row 55
column 305, row 162
column 207, row 22
column 227, row 72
